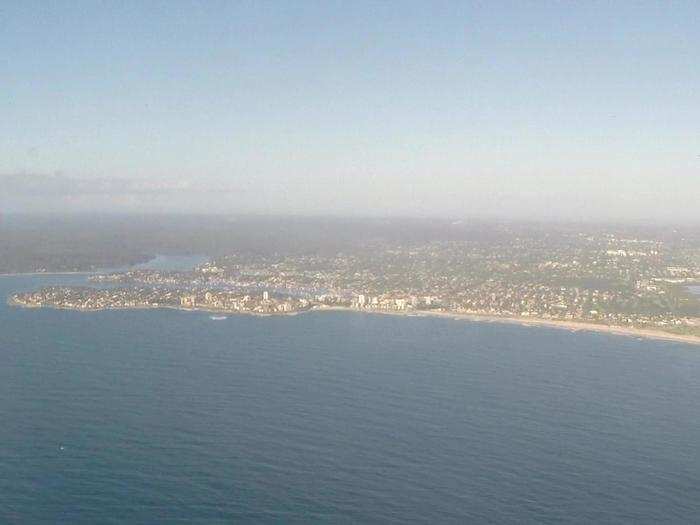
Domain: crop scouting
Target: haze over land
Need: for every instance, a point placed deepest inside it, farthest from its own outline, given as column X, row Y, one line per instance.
column 627, row 277
column 582, row 111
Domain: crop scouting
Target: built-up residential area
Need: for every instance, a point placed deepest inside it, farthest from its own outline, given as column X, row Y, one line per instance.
column 601, row 278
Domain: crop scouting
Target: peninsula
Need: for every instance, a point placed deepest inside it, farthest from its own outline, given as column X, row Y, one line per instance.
column 578, row 280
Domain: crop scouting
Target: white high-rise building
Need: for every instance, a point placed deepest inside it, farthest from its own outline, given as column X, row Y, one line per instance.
column 266, row 296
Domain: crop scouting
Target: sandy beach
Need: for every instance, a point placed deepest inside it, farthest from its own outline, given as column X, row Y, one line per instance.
column 573, row 326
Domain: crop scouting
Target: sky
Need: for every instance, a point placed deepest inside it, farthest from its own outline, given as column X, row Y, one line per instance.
column 555, row 110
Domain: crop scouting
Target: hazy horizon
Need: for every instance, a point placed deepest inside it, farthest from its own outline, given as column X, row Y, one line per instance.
column 453, row 110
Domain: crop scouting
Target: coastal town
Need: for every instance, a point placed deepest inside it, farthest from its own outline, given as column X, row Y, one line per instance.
column 602, row 279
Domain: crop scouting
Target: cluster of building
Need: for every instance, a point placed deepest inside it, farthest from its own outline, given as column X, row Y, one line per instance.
column 88, row 298
column 217, row 300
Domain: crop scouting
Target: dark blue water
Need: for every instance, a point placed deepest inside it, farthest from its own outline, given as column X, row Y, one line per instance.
column 168, row 416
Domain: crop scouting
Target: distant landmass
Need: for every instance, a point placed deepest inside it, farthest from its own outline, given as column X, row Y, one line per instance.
column 582, row 275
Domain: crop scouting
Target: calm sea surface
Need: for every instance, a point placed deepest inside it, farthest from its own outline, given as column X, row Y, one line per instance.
column 168, row 416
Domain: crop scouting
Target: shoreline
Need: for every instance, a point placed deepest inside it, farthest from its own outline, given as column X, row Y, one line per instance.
column 159, row 307
column 572, row 326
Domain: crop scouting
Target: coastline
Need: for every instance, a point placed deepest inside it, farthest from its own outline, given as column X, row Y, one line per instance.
column 572, row 326
column 159, row 307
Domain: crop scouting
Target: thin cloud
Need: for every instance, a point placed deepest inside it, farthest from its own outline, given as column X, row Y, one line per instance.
column 37, row 185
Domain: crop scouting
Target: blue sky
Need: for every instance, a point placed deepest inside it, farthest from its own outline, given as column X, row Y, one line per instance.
column 524, row 109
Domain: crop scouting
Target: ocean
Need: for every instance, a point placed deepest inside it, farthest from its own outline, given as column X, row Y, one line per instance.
column 167, row 416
